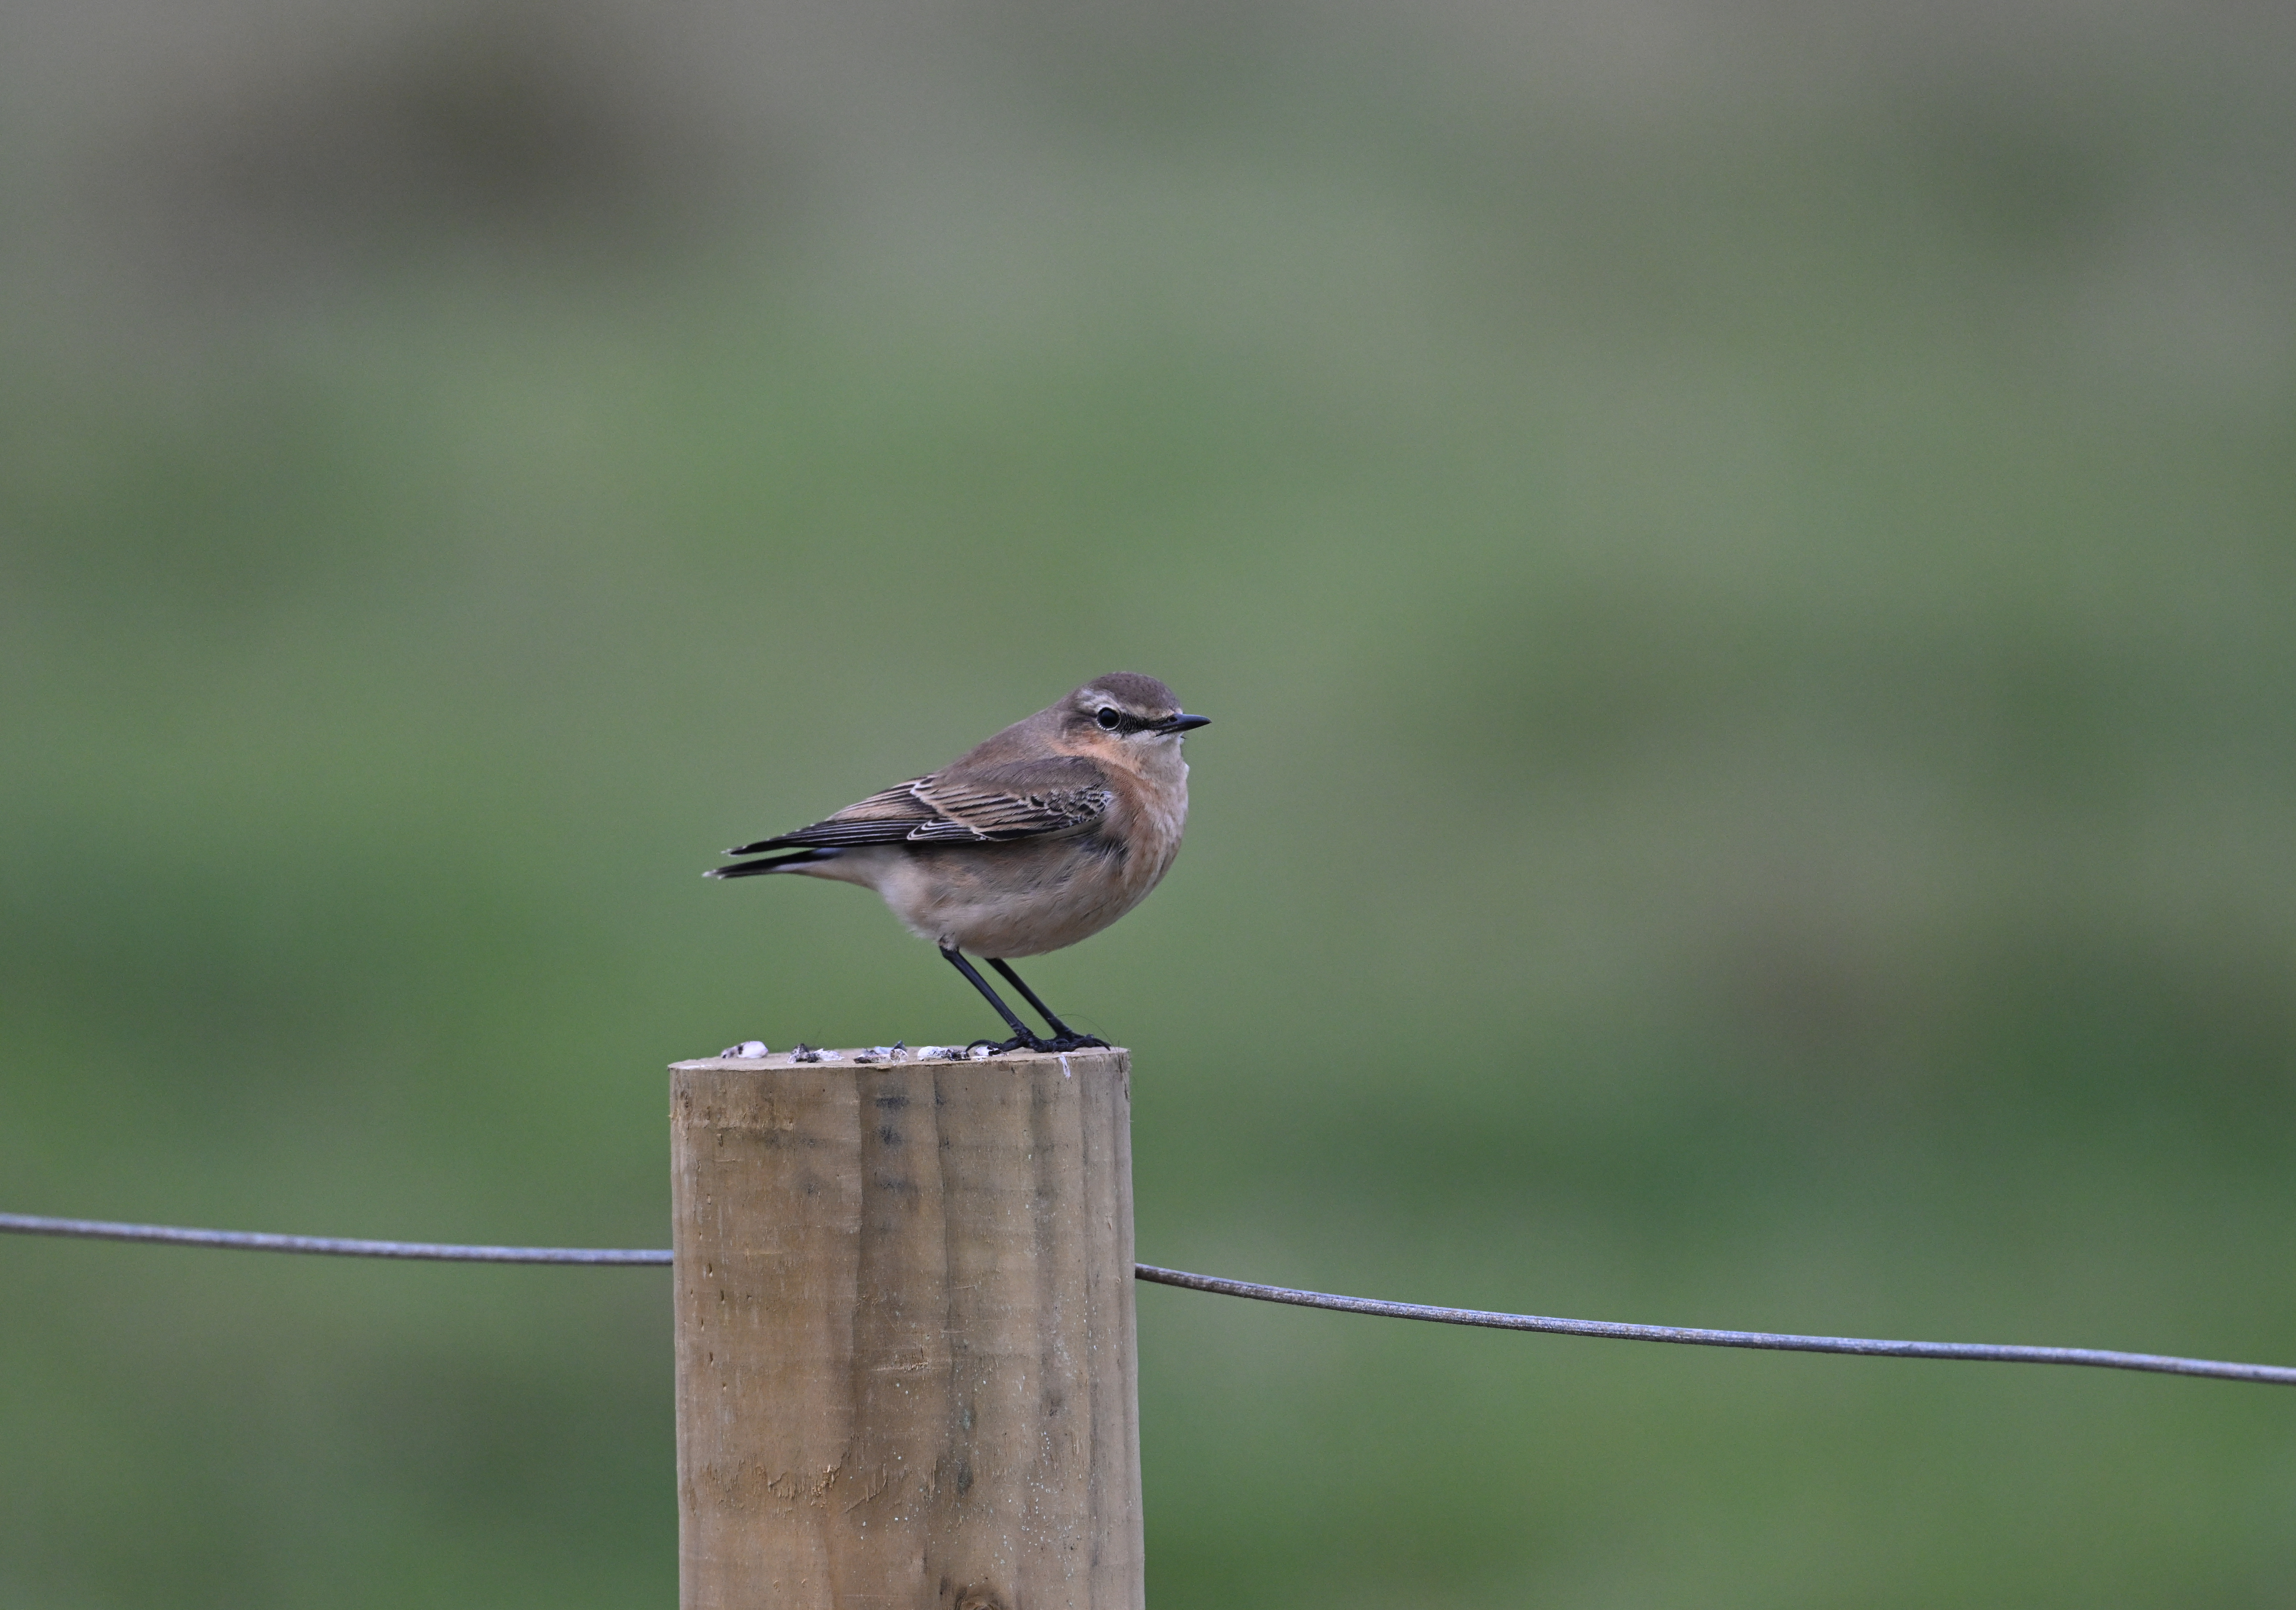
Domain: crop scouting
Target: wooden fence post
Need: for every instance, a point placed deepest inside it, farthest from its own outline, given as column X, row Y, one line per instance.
column 906, row 1377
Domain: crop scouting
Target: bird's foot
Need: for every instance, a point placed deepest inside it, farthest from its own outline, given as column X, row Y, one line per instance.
column 1065, row 1042
column 997, row 1047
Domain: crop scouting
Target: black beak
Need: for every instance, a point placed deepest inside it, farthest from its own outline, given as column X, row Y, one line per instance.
column 1183, row 723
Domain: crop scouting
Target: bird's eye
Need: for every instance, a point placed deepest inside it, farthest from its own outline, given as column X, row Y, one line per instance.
column 1108, row 718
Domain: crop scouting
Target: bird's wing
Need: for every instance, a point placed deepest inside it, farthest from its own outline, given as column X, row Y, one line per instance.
column 991, row 806
column 1017, row 801
column 883, row 818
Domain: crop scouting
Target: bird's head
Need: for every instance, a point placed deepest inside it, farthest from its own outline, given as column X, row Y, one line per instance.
column 1126, row 712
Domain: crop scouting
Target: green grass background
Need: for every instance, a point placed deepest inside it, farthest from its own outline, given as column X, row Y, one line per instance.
column 1742, row 561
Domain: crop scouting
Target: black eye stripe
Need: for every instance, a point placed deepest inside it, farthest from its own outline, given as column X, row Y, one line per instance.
column 1116, row 720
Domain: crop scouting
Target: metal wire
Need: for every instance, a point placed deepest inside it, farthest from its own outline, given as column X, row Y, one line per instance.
column 254, row 1241
column 1987, row 1353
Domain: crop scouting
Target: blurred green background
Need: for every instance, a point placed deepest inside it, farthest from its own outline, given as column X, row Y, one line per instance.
column 1742, row 557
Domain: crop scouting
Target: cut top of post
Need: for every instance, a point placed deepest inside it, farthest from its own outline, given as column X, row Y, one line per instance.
column 868, row 1057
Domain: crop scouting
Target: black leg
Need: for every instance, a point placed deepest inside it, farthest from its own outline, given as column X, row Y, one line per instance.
column 1023, row 1035
column 1064, row 1038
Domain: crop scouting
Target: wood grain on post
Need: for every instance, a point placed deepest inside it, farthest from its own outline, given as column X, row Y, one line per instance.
column 906, row 1377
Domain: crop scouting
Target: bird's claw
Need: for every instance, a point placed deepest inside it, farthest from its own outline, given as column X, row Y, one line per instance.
column 1065, row 1042
column 998, row 1048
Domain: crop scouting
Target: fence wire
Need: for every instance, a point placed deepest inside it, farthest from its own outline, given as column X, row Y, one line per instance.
column 256, row 1241
column 1984, row 1352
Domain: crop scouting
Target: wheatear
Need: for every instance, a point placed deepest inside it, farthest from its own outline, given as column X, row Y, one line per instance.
column 1042, row 836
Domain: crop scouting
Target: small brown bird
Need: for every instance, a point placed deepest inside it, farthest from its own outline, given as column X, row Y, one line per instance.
column 1042, row 836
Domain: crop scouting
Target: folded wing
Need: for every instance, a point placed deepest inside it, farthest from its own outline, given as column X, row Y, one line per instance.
column 1028, row 800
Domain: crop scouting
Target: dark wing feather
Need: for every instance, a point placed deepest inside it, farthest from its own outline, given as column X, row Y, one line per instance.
column 881, row 818
column 1041, row 800
column 993, row 805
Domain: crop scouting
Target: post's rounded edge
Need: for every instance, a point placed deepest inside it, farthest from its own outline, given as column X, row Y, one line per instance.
column 866, row 1056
